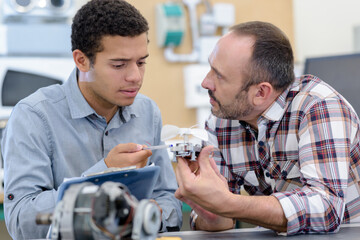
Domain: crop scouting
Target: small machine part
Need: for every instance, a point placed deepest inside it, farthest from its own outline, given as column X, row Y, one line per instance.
column 185, row 148
column 108, row 211
column 157, row 147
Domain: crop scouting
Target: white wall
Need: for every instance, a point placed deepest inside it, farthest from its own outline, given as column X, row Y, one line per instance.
column 324, row 27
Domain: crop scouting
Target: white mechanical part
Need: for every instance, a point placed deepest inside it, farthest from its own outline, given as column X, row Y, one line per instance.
column 186, row 148
column 146, row 221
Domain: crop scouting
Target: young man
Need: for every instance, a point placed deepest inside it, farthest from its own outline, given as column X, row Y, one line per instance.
column 94, row 121
column 292, row 143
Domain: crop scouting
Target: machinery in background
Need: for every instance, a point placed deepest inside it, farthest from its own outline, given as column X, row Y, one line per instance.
column 36, row 27
column 106, row 211
column 171, row 27
column 37, row 10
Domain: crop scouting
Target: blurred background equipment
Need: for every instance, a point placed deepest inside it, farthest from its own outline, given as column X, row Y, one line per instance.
column 36, row 27
column 171, row 27
column 106, row 211
column 37, row 10
column 170, row 22
column 342, row 72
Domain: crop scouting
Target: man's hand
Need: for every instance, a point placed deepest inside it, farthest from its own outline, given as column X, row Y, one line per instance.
column 207, row 189
column 209, row 221
column 128, row 154
column 203, row 188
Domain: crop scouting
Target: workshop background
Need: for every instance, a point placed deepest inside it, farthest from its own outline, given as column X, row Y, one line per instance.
column 316, row 28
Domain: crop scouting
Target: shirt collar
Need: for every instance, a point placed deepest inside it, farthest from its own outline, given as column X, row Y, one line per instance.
column 127, row 113
column 277, row 110
column 80, row 108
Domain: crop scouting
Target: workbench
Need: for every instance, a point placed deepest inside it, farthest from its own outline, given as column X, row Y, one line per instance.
column 347, row 232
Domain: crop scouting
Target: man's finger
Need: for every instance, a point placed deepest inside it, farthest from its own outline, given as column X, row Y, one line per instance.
column 178, row 195
column 216, row 169
column 178, row 175
column 183, row 170
column 203, row 158
column 128, row 147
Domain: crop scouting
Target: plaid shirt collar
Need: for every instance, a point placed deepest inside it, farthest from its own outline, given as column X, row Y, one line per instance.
column 278, row 108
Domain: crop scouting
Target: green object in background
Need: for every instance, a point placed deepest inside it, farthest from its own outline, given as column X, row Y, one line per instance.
column 2, row 212
column 186, row 208
column 173, row 38
column 170, row 24
column 173, row 10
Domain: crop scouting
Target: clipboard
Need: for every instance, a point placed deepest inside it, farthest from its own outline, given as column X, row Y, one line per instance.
column 139, row 181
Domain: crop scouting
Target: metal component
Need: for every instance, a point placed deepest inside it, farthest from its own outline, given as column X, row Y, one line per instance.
column 22, row 6
column 186, row 149
column 108, row 211
column 157, row 147
column 146, row 221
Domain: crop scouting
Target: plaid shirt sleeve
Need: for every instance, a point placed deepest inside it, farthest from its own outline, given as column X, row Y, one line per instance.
column 326, row 131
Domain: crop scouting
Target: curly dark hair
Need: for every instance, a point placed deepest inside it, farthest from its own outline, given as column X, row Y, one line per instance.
column 99, row 18
column 272, row 58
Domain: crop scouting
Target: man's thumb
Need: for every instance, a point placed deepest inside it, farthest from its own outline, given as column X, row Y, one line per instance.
column 128, row 147
column 204, row 157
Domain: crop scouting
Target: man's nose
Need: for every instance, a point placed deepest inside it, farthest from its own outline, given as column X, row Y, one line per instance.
column 207, row 83
column 134, row 74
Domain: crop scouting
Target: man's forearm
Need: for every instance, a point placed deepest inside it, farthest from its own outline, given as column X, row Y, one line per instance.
column 264, row 211
column 219, row 224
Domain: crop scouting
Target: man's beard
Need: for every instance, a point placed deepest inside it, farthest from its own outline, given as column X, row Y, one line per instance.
column 238, row 109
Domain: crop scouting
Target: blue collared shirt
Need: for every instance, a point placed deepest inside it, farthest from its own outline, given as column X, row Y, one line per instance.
column 54, row 134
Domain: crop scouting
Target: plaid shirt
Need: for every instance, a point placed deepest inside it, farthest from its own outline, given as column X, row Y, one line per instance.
column 306, row 153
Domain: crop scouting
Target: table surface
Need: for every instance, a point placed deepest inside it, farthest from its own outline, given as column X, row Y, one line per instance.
column 346, row 232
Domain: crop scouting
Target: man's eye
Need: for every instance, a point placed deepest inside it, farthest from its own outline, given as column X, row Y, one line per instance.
column 118, row 66
column 141, row 63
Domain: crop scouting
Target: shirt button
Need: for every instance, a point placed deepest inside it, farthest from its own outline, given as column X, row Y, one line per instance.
column 106, row 133
column 341, row 193
column 11, row 196
column 267, row 174
column 261, row 143
column 284, row 173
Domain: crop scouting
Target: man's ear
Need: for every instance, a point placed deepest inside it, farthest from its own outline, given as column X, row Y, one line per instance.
column 262, row 93
column 81, row 60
